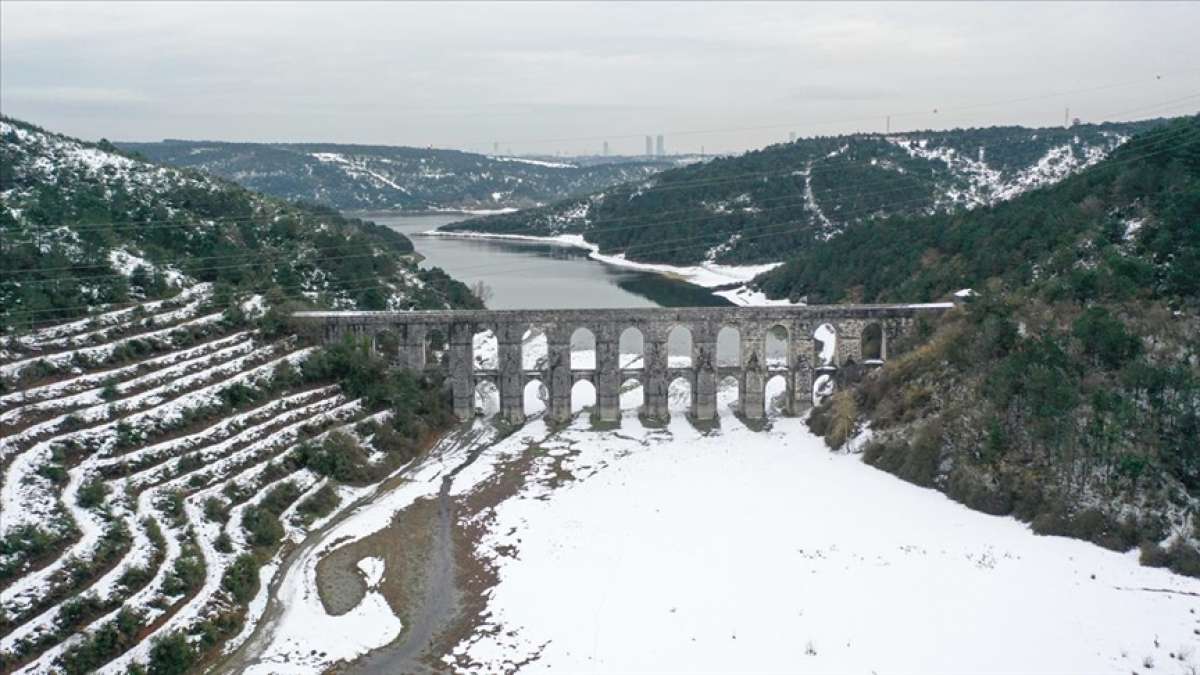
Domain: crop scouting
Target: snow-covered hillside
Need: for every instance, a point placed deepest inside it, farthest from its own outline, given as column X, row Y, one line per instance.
column 133, row 481
column 147, row 445
column 765, row 205
column 977, row 183
column 86, row 226
column 362, row 177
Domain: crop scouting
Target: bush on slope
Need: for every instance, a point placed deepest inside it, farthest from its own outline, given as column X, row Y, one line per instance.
column 85, row 226
column 1151, row 180
column 1068, row 392
column 765, row 205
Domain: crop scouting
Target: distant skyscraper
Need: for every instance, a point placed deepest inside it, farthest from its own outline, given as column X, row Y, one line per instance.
column 606, row 148
column 649, row 146
column 496, row 147
column 792, row 137
column 658, row 146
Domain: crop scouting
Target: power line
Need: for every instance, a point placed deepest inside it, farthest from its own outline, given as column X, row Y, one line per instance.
column 878, row 118
column 660, row 187
column 659, row 245
column 767, row 230
column 787, row 202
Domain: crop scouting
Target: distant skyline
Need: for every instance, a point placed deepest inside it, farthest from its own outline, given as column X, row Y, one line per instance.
column 576, row 78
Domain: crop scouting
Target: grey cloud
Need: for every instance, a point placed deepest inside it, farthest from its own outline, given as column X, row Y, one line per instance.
column 463, row 75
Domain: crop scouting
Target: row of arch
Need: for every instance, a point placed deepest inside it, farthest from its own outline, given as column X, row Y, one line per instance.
column 535, row 348
column 583, row 396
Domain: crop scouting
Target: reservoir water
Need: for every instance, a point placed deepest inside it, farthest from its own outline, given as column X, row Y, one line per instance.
column 537, row 275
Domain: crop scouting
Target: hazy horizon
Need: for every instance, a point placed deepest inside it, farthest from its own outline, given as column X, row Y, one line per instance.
column 566, row 78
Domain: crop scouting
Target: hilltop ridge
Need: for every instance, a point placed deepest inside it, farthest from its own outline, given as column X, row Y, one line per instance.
column 377, row 177
column 87, row 225
column 764, row 205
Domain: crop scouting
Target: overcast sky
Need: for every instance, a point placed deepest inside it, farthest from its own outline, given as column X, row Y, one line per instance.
column 546, row 78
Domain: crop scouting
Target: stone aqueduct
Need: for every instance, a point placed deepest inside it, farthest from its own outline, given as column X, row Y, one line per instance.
column 408, row 336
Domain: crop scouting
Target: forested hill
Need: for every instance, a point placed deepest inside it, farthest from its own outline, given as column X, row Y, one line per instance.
column 1067, row 390
column 85, row 226
column 365, row 177
column 767, row 204
column 1141, row 201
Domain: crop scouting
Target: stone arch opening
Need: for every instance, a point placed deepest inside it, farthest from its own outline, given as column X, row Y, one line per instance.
column 632, row 347
column 729, row 347
column 679, row 395
column 823, row 387
column 487, row 398
column 435, row 346
column 776, row 347
column 632, row 395
column 776, row 395
column 727, row 393
column 583, row 396
column 679, row 347
column 534, row 349
column 583, row 349
column 536, row 397
column 387, row 344
column 486, row 349
column 872, row 343
column 825, row 345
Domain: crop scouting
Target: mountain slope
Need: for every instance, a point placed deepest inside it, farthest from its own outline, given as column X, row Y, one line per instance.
column 1067, row 391
column 364, row 177
column 85, row 226
column 763, row 205
column 156, row 455
column 910, row 258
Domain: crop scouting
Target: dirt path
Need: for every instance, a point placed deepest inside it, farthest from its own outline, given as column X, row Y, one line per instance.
column 435, row 592
column 435, row 609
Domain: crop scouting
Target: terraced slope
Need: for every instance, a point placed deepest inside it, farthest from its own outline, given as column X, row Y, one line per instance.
column 162, row 435
column 766, row 205
column 142, row 492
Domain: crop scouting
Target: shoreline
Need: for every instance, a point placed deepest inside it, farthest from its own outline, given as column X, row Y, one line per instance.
column 726, row 281
column 366, row 214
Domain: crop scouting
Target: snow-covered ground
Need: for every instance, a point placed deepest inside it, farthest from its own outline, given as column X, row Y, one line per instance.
column 673, row 550
column 307, row 639
column 746, row 296
column 741, row 551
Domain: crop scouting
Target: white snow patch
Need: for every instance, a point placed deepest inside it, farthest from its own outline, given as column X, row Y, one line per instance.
column 534, row 162
column 1132, row 227
column 750, row 297
column 372, row 570
column 741, row 551
column 706, row 274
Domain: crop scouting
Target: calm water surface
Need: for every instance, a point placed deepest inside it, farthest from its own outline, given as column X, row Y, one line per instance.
column 535, row 275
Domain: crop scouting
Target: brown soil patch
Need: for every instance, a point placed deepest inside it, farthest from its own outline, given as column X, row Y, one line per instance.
column 404, row 547
column 477, row 575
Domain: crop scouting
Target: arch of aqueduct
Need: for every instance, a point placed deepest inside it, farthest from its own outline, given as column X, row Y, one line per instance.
column 409, row 333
